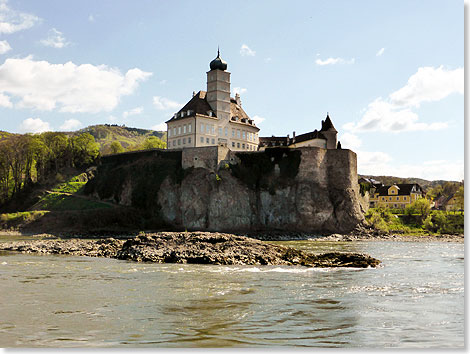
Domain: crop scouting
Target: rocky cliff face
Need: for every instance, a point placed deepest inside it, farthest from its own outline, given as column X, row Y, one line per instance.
column 307, row 189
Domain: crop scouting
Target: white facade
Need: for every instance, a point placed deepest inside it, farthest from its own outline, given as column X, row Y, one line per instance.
column 213, row 118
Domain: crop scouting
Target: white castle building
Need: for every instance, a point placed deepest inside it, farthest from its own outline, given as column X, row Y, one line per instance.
column 212, row 117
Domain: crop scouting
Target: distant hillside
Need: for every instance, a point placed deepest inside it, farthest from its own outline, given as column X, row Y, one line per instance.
column 105, row 134
column 389, row 180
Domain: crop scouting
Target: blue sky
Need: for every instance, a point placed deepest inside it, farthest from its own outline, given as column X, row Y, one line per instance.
column 390, row 73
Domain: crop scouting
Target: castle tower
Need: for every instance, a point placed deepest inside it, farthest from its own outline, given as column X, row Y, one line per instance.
column 218, row 88
column 330, row 133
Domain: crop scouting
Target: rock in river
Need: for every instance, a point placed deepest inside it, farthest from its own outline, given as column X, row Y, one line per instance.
column 193, row 247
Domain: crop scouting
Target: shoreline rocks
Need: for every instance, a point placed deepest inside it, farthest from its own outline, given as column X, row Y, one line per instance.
column 192, row 247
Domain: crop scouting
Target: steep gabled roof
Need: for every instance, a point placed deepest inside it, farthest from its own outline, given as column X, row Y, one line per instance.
column 308, row 136
column 197, row 105
column 403, row 189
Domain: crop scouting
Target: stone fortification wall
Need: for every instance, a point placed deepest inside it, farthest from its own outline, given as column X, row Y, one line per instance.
column 306, row 189
column 209, row 157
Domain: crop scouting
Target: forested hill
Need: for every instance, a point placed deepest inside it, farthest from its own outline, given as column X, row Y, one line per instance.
column 389, row 180
column 106, row 134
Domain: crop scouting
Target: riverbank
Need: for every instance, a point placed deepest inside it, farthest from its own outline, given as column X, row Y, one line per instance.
column 191, row 247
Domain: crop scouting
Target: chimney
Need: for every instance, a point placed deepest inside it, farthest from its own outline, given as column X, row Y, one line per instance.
column 237, row 98
column 293, row 137
column 287, row 139
column 194, row 93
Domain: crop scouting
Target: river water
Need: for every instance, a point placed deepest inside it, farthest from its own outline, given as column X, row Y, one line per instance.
column 414, row 300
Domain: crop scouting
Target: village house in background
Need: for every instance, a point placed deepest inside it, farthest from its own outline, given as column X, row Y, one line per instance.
column 212, row 117
column 447, row 203
column 396, row 196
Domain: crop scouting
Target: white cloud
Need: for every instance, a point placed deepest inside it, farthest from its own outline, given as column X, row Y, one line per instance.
column 34, row 125
column 429, row 84
column 380, row 52
column 91, row 18
column 246, row 51
column 159, row 127
column 239, row 90
column 333, row 61
column 350, row 141
column 133, row 112
column 12, row 21
column 258, row 120
column 71, row 124
column 4, row 47
column 383, row 116
column 55, row 39
column 5, row 101
column 69, row 87
column 395, row 114
column 267, row 60
column 162, row 103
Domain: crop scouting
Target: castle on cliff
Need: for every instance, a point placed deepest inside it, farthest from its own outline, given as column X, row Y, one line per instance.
column 213, row 118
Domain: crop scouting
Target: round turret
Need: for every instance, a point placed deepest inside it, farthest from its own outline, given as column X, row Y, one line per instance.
column 218, row 63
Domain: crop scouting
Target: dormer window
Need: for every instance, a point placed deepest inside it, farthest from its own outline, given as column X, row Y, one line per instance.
column 182, row 114
column 210, row 113
column 189, row 112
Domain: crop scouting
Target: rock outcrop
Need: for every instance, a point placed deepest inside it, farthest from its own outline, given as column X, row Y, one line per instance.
column 193, row 247
column 305, row 189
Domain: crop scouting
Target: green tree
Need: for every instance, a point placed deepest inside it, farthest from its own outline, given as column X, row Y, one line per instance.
column 421, row 206
column 152, row 142
column 84, row 149
column 116, row 147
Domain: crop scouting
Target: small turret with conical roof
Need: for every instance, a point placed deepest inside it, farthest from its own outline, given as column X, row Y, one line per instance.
column 330, row 133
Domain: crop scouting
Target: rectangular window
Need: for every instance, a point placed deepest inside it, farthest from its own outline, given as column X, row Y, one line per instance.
column 220, row 131
column 244, row 135
column 243, row 146
column 226, row 131
column 174, row 142
column 202, row 139
column 179, row 130
column 233, row 144
column 179, row 141
column 213, row 141
column 189, row 128
column 238, row 133
column 174, row 131
column 184, row 129
column 233, row 133
column 184, row 141
column 212, row 129
column 207, row 140
column 189, row 140
column 169, row 132
column 398, row 198
column 202, row 128
column 238, row 145
column 404, row 198
column 208, row 129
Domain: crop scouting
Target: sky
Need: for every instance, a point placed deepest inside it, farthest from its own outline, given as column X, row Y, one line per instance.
column 389, row 73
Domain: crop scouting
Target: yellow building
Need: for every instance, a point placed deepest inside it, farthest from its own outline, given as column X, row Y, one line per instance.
column 396, row 196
